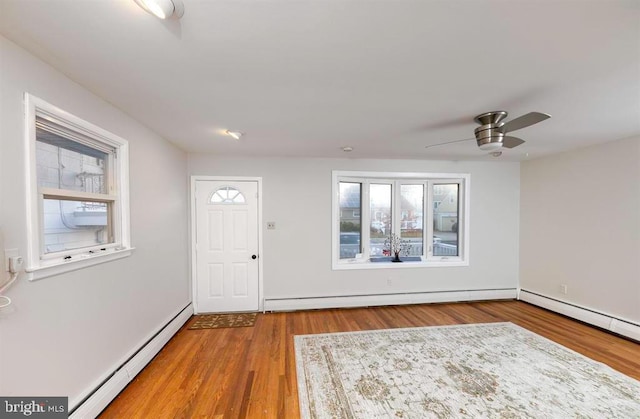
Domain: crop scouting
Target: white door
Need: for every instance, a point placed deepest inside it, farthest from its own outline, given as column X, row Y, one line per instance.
column 226, row 246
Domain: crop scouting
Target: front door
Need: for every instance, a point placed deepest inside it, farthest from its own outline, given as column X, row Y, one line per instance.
column 226, row 234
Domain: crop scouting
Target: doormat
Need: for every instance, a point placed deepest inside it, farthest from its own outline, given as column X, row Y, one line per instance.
column 218, row 321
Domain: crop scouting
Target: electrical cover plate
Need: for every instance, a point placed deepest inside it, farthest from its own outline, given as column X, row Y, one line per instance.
column 4, row 275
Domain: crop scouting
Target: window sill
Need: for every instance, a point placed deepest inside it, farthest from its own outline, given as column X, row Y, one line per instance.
column 354, row 264
column 79, row 262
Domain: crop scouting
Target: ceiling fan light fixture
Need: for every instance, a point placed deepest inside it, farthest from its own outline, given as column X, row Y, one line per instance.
column 163, row 9
column 490, row 146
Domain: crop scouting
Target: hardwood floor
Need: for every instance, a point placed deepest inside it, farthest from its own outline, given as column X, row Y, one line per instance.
column 250, row 372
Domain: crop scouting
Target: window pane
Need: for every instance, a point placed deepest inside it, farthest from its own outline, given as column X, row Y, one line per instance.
column 445, row 220
column 380, row 227
column 65, row 164
column 350, row 222
column 75, row 224
column 227, row 195
column 411, row 207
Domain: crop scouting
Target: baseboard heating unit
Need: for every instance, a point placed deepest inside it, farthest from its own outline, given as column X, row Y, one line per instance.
column 310, row 303
column 109, row 389
column 602, row 320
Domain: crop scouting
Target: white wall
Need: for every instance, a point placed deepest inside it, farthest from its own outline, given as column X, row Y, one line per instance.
column 580, row 226
column 64, row 334
column 297, row 254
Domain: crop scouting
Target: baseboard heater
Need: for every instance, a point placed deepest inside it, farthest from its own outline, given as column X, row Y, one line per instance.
column 309, row 303
column 105, row 393
column 602, row 320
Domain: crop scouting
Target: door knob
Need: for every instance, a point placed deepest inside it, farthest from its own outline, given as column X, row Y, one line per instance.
column 254, row 257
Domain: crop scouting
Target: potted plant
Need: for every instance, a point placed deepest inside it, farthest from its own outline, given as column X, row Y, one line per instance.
column 396, row 245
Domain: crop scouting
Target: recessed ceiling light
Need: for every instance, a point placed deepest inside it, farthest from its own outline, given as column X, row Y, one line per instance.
column 235, row 134
column 163, row 9
column 347, row 149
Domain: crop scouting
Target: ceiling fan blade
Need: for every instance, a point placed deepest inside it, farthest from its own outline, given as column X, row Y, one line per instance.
column 510, row 142
column 524, row 121
column 448, row 142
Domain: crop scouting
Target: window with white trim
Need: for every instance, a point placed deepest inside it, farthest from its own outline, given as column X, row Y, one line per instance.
column 78, row 192
column 428, row 212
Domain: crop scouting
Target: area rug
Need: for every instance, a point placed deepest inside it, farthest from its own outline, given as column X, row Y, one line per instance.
column 217, row 321
column 495, row 370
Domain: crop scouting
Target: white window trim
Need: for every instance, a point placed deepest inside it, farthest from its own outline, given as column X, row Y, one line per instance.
column 38, row 266
column 360, row 262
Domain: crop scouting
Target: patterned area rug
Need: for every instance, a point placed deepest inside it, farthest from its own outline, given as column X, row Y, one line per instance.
column 217, row 321
column 495, row 370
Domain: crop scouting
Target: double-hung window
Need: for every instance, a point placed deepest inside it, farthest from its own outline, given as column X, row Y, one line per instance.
column 427, row 212
column 78, row 192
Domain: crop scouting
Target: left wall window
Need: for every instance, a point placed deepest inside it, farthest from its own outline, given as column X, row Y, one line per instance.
column 78, row 198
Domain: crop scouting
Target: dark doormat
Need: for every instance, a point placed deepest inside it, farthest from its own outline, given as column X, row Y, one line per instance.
column 218, row 321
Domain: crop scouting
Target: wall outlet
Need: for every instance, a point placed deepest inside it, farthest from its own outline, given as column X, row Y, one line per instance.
column 8, row 254
column 15, row 264
column 563, row 289
column 271, row 225
column 4, row 263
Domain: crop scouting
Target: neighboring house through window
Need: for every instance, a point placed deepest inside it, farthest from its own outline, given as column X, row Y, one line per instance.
column 78, row 191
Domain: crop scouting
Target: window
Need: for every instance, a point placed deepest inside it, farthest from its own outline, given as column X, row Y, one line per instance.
column 429, row 211
column 412, row 204
column 379, row 216
column 78, row 192
column 227, row 195
column 445, row 222
column 350, row 224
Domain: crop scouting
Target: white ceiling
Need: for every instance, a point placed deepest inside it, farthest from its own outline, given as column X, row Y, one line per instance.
column 306, row 77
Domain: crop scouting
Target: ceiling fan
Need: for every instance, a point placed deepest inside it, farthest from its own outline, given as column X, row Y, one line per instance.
column 491, row 134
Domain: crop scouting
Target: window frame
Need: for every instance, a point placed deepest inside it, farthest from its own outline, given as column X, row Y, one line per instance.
column 40, row 264
column 362, row 260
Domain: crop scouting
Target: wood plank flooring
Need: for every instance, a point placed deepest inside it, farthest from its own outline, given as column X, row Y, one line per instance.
column 250, row 372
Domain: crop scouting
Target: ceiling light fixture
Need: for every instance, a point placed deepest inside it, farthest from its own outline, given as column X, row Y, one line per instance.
column 163, row 9
column 347, row 149
column 235, row 134
column 490, row 146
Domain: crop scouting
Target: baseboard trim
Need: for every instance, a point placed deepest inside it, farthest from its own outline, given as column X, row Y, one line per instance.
column 587, row 315
column 310, row 303
column 103, row 395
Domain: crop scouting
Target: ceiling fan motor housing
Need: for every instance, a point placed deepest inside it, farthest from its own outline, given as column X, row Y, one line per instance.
column 489, row 136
